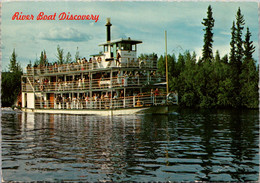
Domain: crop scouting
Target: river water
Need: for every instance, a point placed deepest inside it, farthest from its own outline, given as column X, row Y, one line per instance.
column 219, row 145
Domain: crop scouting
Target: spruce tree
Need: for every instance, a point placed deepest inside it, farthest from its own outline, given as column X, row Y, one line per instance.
column 248, row 46
column 77, row 54
column 232, row 54
column 249, row 75
column 42, row 59
column 217, row 56
column 13, row 62
column 208, row 36
column 238, row 38
column 14, row 66
column 60, row 56
column 68, row 58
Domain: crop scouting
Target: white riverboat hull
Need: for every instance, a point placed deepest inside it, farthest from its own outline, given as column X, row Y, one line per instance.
column 107, row 112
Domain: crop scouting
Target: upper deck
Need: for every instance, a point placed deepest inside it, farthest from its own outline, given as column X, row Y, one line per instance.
column 93, row 65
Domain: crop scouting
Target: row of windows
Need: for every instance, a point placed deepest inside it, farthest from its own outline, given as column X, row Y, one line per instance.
column 121, row 46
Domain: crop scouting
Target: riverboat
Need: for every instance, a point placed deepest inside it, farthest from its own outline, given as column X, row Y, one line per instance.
column 112, row 82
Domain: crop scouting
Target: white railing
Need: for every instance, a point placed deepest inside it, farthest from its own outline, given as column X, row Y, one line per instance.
column 87, row 66
column 122, row 81
column 127, row 102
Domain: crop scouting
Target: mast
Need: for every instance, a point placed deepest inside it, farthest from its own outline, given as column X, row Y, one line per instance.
column 167, row 82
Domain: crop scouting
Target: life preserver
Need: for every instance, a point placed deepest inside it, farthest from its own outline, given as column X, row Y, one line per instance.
column 99, row 59
column 41, row 87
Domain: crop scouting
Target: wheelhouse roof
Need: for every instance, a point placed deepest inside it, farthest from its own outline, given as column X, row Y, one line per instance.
column 99, row 54
column 121, row 41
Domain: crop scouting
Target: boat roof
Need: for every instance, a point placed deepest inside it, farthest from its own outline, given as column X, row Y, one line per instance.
column 99, row 54
column 121, row 40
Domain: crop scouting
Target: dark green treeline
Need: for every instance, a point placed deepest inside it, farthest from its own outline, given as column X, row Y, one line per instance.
column 214, row 82
column 11, row 82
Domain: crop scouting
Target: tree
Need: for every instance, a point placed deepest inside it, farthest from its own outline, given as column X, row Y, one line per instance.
column 14, row 66
column 161, row 65
column 232, row 53
column 68, row 58
column 249, row 75
column 248, row 46
column 224, row 59
column 43, row 58
column 60, row 56
column 239, row 42
column 11, row 82
column 77, row 54
column 217, row 57
column 208, row 36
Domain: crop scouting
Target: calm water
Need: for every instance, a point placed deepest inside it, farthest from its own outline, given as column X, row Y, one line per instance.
column 192, row 145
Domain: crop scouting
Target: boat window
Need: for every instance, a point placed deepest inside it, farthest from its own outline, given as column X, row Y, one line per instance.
column 134, row 47
column 105, row 48
column 125, row 46
column 128, row 47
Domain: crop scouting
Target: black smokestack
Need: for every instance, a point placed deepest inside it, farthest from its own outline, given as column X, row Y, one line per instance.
column 108, row 29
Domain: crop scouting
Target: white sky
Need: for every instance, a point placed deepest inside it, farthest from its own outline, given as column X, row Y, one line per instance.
column 144, row 21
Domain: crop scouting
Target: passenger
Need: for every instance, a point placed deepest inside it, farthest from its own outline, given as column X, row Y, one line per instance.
column 86, row 101
column 125, row 78
column 79, row 83
column 83, row 82
column 137, row 78
column 156, row 92
column 65, row 85
column 118, row 77
column 95, row 100
column 122, row 94
column 67, row 102
column 152, row 96
column 115, row 96
column 74, row 100
column 118, row 56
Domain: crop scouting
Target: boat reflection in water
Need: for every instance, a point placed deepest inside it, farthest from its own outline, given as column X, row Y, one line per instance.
column 194, row 145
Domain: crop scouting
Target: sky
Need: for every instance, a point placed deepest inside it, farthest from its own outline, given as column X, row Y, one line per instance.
column 145, row 21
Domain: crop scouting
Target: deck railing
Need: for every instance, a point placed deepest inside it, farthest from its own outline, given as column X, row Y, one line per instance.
column 127, row 102
column 123, row 81
column 88, row 66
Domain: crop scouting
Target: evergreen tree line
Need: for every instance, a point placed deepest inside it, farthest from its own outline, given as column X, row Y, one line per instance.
column 61, row 58
column 210, row 82
column 11, row 82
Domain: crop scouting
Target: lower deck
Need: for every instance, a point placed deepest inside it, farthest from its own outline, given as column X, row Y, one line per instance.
column 105, row 112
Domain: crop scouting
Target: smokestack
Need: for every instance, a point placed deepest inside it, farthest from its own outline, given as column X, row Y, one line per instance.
column 108, row 29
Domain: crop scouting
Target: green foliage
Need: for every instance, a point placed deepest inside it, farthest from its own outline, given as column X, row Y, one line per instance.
column 68, row 58
column 11, row 82
column 14, row 66
column 249, row 48
column 239, row 42
column 232, row 57
column 77, row 54
column 249, row 84
column 225, row 93
column 60, row 55
column 43, row 59
column 11, row 86
column 208, row 22
column 210, row 84
column 161, row 65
